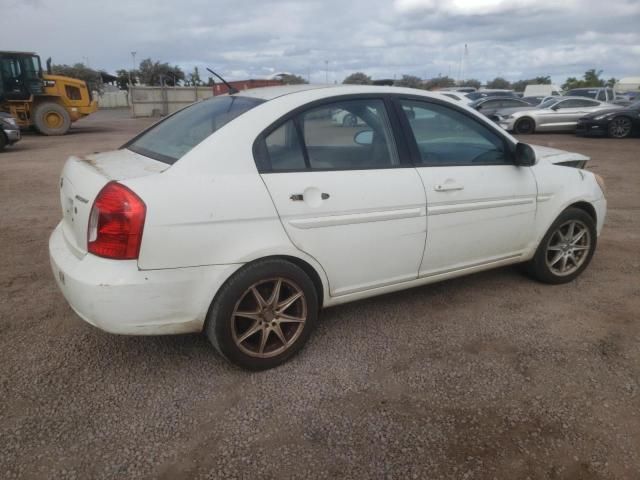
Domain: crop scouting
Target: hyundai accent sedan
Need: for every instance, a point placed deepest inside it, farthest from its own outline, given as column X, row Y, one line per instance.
column 243, row 216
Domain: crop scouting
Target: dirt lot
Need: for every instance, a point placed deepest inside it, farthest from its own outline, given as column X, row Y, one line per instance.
column 489, row 376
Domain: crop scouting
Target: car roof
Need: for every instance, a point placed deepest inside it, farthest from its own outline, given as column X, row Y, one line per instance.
column 269, row 93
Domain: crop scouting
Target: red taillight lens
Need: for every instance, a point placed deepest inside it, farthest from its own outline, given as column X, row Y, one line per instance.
column 116, row 223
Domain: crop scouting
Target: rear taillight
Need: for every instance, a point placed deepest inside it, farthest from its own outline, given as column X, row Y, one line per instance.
column 116, row 223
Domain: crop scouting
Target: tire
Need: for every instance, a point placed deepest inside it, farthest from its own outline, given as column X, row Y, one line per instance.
column 525, row 126
column 620, row 127
column 264, row 348
column 349, row 120
column 547, row 264
column 3, row 141
column 51, row 118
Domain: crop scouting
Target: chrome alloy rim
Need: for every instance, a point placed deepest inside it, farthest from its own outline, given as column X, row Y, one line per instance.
column 568, row 248
column 620, row 127
column 269, row 317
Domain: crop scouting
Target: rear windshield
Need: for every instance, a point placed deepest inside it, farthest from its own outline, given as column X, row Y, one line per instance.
column 173, row 137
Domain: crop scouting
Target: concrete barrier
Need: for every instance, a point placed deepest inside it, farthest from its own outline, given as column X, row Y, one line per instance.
column 117, row 99
column 161, row 101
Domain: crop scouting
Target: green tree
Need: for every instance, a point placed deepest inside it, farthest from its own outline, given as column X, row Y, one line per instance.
column 357, row 78
column 81, row 72
column 126, row 76
column 591, row 78
column 520, row 85
column 439, row 82
column 291, row 79
column 499, row 83
column 194, row 78
column 154, row 73
column 471, row 82
column 409, row 81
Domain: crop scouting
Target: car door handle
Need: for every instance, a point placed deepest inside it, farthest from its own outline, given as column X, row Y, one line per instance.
column 299, row 197
column 444, row 187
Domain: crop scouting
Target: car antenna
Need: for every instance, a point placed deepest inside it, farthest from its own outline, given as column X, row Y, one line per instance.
column 232, row 89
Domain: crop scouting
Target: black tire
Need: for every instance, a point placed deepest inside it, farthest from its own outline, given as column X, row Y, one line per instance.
column 349, row 120
column 3, row 141
column 538, row 267
column 525, row 126
column 620, row 127
column 222, row 325
column 44, row 112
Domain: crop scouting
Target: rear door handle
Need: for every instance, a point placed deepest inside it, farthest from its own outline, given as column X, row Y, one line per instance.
column 444, row 187
column 299, row 197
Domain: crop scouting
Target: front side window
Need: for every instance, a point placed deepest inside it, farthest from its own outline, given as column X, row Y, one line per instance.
column 173, row 137
column 445, row 136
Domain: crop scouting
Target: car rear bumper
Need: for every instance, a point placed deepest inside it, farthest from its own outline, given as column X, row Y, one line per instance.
column 117, row 297
column 12, row 135
column 591, row 127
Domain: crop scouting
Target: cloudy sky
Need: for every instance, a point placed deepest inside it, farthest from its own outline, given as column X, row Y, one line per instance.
column 384, row 38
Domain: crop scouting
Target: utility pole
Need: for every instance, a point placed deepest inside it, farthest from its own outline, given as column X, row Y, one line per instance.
column 133, row 61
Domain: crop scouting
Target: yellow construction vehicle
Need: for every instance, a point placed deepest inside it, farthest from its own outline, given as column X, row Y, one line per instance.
column 50, row 103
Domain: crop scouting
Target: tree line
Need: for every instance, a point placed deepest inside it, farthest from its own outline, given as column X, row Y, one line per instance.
column 591, row 78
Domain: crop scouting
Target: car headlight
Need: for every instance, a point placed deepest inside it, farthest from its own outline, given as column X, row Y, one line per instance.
column 600, row 181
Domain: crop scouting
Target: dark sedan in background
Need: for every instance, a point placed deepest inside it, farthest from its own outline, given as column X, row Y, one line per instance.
column 616, row 123
column 489, row 105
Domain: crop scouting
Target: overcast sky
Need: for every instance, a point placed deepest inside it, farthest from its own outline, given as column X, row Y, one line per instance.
column 383, row 38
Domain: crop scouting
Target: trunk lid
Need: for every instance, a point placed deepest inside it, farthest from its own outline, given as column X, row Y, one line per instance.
column 82, row 179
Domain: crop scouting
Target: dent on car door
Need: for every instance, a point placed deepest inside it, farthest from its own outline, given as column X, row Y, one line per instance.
column 344, row 196
column 480, row 207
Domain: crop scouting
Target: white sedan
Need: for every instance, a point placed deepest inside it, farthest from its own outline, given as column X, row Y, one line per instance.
column 242, row 216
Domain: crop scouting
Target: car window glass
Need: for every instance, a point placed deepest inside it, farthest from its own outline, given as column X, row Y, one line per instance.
column 284, row 149
column 334, row 137
column 602, row 96
column 445, row 136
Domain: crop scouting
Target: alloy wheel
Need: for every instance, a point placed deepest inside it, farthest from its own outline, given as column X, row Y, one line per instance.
column 269, row 317
column 620, row 127
column 568, row 248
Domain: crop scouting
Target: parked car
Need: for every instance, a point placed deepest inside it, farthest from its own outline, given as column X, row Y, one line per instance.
column 603, row 94
column 558, row 114
column 243, row 215
column 490, row 93
column 535, row 101
column 489, row 105
column 9, row 130
column 615, row 122
column 346, row 119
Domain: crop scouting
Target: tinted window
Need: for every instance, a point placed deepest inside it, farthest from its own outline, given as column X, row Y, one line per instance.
column 602, row 96
column 445, row 136
column 331, row 131
column 590, row 93
column 576, row 103
column 512, row 103
column 172, row 138
column 284, row 149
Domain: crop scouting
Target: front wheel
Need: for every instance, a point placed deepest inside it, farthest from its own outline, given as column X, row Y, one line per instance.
column 349, row 120
column 524, row 126
column 566, row 249
column 263, row 315
column 620, row 127
column 51, row 118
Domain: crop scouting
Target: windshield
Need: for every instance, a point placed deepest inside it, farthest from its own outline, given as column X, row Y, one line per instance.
column 548, row 103
column 173, row 137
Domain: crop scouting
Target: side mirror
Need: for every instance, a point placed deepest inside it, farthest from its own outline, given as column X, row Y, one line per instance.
column 525, row 156
column 363, row 137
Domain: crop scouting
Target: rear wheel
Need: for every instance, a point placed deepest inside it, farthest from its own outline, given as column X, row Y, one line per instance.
column 263, row 315
column 566, row 249
column 51, row 118
column 524, row 126
column 620, row 127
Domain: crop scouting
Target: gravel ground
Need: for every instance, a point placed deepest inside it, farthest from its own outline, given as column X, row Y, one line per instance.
column 489, row 376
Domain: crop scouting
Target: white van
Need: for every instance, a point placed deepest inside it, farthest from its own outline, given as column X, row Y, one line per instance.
column 541, row 90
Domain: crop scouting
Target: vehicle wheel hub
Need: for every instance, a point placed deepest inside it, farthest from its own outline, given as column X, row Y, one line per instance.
column 568, row 248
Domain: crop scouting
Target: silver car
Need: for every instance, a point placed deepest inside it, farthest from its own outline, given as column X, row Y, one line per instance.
column 555, row 114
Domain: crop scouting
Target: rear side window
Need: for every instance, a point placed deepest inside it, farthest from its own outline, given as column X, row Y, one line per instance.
column 284, row 148
column 173, row 137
